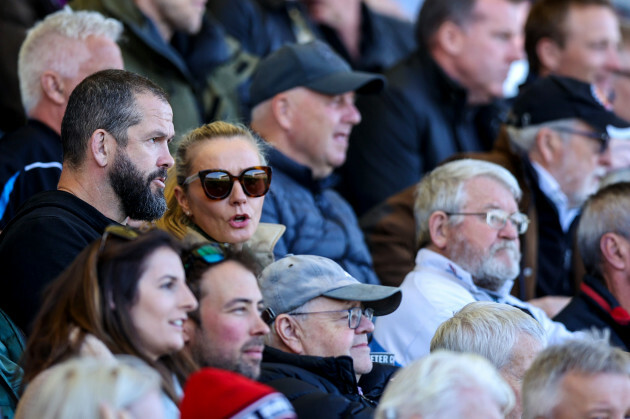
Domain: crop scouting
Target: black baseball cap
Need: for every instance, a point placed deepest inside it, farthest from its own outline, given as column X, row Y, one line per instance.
column 555, row 97
column 313, row 65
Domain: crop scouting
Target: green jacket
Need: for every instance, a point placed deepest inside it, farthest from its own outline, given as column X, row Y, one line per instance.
column 198, row 72
column 11, row 347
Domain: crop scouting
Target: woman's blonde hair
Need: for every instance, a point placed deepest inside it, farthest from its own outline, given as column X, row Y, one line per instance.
column 174, row 220
column 79, row 387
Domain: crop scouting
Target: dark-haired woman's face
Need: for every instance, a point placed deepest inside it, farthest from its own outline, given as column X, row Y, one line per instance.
column 235, row 218
column 162, row 303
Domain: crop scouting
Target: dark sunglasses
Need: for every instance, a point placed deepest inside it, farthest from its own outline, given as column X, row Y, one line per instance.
column 217, row 184
column 210, row 253
column 602, row 138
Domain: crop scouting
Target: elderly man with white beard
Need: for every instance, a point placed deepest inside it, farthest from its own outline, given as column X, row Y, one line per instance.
column 468, row 227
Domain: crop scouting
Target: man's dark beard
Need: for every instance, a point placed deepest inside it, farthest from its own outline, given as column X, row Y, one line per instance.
column 205, row 354
column 136, row 198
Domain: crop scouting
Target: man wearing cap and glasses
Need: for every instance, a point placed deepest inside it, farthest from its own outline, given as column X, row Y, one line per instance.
column 303, row 97
column 556, row 145
column 467, row 228
column 318, row 353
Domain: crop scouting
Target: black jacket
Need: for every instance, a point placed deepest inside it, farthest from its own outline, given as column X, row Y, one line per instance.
column 45, row 236
column 596, row 307
column 419, row 120
column 324, row 387
column 385, row 40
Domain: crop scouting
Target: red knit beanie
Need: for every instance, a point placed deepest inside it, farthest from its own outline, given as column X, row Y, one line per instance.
column 216, row 393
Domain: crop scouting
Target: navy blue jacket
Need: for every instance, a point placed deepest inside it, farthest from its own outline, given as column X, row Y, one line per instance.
column 30, row 162
column 321, row 387
column 318, row 220
column 596, row 307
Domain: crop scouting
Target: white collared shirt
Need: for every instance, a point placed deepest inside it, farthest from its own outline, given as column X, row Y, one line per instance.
column 431, row 294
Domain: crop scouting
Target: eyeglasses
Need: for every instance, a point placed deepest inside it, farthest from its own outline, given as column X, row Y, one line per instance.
column 354, row 315
column 217, row 184
column 210, row 253
column 119, row 231
column 603, row 138
column 498, row 218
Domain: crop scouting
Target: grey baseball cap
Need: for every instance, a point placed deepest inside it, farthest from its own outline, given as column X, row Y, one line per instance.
column 313, row 65
column 293, row 280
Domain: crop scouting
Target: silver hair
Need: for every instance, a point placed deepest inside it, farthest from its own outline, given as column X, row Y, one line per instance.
column 52, row 44
column 443, row 189
column 541, row 385
column 524, row 139
column 442, row 385
column 604, row 212
column 488, row 329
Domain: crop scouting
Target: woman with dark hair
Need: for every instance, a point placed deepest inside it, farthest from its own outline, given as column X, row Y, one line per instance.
column 124, row 294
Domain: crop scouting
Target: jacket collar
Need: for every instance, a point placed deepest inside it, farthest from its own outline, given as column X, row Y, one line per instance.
column 338, row 370
column 299, row 173
column 442, row 87
column 595, row 290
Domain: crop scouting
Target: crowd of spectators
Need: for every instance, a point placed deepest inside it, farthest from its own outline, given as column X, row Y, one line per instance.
column 286, row 209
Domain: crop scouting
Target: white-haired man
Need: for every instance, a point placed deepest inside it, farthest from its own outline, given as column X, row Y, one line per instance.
column 468, row 226
column 447, row 385
column 56, row 55
column 556, row 145
column 506, row 336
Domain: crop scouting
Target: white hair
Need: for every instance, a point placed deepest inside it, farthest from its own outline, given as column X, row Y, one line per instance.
column 542, row 382
column 53, row 44
column 76, row 389
column 443, row 190
column 441, row 385
column 524, row 139
column 488, row 329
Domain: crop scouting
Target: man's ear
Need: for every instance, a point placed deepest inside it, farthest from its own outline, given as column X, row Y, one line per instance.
column 102, row 147
column 288, row 330
column 53, row 87
column 614, row 251
column 549, row 146
column 282, row 110
column 439, row 229
column 548, row 53
column 450, row 38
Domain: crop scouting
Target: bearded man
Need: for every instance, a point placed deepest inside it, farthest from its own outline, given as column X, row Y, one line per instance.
column 115, row 134
column 468, row 227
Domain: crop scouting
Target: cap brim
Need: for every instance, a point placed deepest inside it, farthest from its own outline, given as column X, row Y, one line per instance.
column 620, row 133
column 601, row 119
column 354, row 81
column 382, row 299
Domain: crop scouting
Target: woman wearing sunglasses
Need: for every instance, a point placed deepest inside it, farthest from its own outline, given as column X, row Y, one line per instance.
column 124, row 294
column 218, row 186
